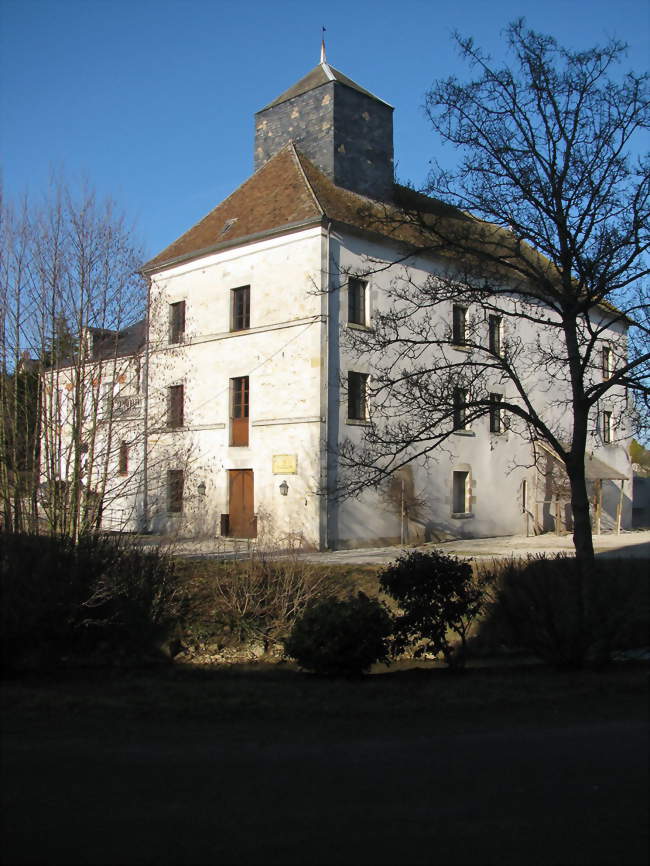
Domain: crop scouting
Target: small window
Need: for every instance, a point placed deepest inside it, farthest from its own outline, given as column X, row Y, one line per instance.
column 107, row 399
column 460, row 403
column 459, row 336
column 241, row 308
column 357, row 399
column 175, row 484
column 176, row 322
column 608, row 363
column 239, row 411
column 607, row 427
column 175, row 408
column 494, row 333
column 461, row 499
column 357, row 301
column 496, row 420
column 123, row 459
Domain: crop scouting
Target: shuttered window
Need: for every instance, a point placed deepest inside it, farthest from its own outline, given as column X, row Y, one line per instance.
column 175, row 408
column 459, row 326
column 494, row 326
column 460, row 401
column 496, row 421
column 123, row 461
column 175, row 484
column 176, row 322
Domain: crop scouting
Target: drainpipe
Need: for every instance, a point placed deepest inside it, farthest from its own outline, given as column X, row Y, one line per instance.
column 145, row 429
column 325, row 471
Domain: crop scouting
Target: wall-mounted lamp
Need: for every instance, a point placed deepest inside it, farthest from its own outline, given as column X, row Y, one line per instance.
column 201, row 488
column 284, row 488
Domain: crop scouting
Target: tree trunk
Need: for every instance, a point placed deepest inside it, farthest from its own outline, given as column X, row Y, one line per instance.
column 582, row 535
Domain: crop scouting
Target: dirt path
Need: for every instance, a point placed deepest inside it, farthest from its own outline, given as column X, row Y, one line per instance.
column 628, row 544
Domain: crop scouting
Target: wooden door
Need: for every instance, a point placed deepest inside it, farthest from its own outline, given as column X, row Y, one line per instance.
column 241, row 504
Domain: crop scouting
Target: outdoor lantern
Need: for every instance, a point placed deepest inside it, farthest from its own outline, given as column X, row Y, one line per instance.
column 201, row 488
column 284, row 488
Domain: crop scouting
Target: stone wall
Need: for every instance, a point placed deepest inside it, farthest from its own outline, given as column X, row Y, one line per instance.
column 347, row 134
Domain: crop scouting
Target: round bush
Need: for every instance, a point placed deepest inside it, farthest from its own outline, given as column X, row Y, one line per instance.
column 437, row 595
column 341, row 637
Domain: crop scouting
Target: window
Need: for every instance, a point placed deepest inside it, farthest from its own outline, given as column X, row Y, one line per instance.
column 357, row 301
column 176, row 322
column 496, row 421
column 460, row 493
column 494, row 334
column 357, row 402
column 175, row 406
column 459, row 336
column 107, row 399
column 239, row 410
column 607, row 427
column 123, row 459
column 608, row 363
column 241, row 309
column 460, row 401
column 175, row 483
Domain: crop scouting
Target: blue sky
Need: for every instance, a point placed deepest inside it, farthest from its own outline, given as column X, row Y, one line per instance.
column 152, row 101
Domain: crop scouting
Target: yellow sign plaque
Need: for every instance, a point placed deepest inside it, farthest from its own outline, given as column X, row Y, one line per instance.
column 285, row 464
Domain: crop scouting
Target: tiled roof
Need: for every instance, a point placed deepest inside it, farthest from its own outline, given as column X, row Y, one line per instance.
column 319, row 75
column 275, row 196
column 289, row 191
column 117, row 344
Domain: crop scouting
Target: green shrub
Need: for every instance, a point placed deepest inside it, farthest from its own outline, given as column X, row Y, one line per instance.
column 340, row 637
column 60, row 598
column 437, row 595
column 549, row 607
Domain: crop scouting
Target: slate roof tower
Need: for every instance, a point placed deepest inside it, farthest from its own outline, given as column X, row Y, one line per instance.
column 344, row 129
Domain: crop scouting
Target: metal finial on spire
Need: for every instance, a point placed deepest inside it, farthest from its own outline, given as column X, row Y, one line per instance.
column 323, row 58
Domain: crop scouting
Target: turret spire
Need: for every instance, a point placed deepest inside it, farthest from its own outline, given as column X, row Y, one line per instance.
column 323, row 58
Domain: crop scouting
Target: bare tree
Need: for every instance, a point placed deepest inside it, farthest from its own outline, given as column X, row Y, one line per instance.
column 70, row 355
column 540, row 252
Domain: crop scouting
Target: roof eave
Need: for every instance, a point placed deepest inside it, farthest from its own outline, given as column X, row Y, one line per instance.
column 287, row 228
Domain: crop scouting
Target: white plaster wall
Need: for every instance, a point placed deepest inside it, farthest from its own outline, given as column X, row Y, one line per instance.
column 499, row 463
column 102, row 432
column 281, row 354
